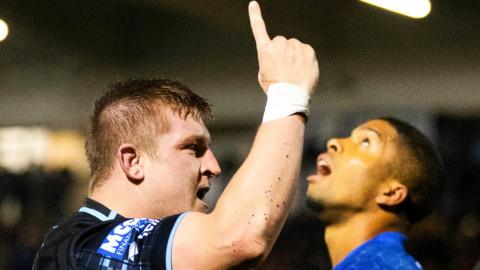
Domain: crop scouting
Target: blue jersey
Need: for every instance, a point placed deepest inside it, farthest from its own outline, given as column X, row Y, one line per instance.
column 98, row 238
column 386, row 251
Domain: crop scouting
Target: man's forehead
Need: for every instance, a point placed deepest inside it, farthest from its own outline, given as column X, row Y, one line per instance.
column 387, row 132
column 378, row 126
column 189, row 127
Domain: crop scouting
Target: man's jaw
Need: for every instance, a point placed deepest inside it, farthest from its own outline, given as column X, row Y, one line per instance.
column 314, row 205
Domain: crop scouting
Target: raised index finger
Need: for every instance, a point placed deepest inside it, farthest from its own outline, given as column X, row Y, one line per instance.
column 258, row 25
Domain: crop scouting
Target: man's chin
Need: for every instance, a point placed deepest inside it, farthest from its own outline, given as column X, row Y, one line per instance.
column 201, row 206
column 315, row 205
column 330, row 213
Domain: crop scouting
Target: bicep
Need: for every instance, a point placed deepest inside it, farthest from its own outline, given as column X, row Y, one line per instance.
column 202, row 241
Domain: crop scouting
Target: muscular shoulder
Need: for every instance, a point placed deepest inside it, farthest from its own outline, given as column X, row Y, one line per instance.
column 114, row 244
column 53, row 253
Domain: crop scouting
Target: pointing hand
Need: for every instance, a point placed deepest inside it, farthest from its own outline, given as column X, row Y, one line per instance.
column 282, row 60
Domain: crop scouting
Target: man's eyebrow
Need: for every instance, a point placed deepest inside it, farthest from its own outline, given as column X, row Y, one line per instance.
column 378, row 133
column 197, row 138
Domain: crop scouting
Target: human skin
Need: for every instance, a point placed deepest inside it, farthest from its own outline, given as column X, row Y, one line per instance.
column 251, row 211
column 354, row 183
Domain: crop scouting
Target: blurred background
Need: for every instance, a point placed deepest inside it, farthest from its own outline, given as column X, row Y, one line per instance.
column 59, row 55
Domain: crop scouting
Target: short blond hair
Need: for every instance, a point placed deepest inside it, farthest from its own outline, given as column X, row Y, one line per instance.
column 133, row 111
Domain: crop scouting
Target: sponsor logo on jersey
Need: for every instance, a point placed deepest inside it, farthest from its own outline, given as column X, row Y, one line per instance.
column 123, row 238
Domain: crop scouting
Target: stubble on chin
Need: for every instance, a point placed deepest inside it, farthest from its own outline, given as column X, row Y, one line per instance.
column 329, row 214
column 318, row 207
column 315, row 205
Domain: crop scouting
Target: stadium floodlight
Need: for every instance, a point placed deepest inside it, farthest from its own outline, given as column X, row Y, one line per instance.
column 3, row 30
column 412, row 8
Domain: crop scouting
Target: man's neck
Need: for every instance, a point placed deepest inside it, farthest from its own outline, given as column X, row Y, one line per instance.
column 342, row 238
column 120, row 199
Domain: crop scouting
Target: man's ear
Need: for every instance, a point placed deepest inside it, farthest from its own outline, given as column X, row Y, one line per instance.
column 392, row 193
column 128, row 157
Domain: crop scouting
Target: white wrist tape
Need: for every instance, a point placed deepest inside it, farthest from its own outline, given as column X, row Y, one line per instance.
column 284, row 99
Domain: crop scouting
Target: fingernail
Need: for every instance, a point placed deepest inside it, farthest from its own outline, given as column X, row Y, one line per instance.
column 252, row 4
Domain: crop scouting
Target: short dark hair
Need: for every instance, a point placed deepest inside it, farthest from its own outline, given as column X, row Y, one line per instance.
column 133, row 111
column 420, row 167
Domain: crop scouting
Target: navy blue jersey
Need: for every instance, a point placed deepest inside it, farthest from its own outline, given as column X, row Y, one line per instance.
column 98, row 238
column 386, row 251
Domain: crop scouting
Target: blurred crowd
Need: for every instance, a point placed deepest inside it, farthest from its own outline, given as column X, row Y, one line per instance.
column 32, row 202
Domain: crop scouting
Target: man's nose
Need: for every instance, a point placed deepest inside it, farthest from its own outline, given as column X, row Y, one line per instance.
column 210, row 166
column 334, row 145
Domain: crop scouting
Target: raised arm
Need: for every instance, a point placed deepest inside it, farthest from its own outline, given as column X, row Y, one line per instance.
column 250, row 213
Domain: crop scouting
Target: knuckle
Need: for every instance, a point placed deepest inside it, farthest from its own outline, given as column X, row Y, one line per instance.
column 295, row 41
column 279, row 38
column 309, row 49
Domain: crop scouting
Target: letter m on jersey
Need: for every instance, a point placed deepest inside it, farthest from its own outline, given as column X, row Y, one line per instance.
column 111, row 243
column 117, row 241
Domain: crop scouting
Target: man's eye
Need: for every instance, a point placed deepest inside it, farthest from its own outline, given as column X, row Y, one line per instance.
column 365, row 142
column 192, row 147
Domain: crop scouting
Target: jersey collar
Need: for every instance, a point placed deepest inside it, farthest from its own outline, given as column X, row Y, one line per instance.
column 98, row 210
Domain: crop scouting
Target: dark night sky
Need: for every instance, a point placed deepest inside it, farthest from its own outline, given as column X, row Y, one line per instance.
column 62, row 53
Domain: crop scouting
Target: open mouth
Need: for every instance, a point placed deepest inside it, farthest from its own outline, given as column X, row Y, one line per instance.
column 323, row 168
column 202, row 192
